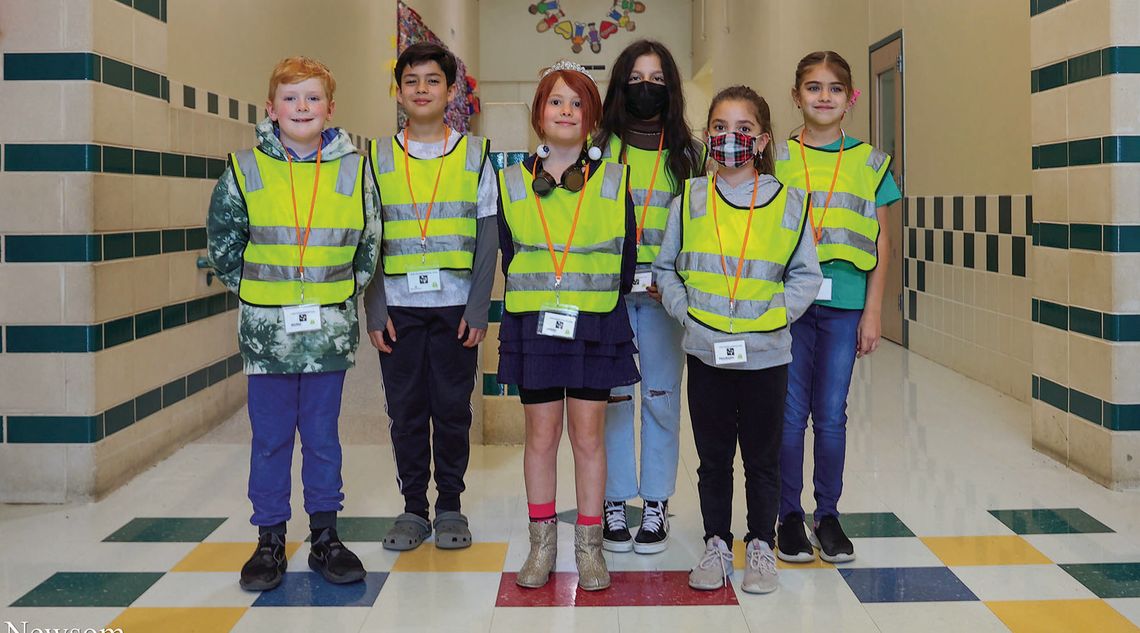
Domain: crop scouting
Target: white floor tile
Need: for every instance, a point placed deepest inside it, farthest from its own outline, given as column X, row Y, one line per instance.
column 1021, row 582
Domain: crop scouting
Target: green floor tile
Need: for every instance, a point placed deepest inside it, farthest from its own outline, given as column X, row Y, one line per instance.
column 97, row 589
column 1050, row 521
column 873, row 525
column 362, row 529
column 165, row 530
column 1108, row 580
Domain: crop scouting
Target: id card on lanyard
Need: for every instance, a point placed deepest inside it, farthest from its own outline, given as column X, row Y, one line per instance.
column 425, row 278
column 305, row 317
column 642, row 281
column 558, row 319
column 730, row 352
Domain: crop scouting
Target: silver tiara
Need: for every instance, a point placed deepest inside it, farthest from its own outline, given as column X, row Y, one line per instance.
column 564, row 64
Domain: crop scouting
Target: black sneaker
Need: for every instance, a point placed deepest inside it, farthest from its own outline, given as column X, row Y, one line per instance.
column 266, row 568
column 792, row 543
column 615, row 532
column 653, row 536
column 833, row 544
column 331, row 559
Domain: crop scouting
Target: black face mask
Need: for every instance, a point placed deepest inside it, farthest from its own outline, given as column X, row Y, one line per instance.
column 645, row 99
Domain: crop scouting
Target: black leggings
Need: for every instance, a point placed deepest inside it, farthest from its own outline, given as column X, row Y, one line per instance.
column 554, row 394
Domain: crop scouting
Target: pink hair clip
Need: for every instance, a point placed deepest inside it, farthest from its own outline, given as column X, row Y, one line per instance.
column 854, row 97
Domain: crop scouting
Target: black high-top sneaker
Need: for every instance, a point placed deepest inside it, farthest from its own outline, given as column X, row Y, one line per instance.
column 266, row 568
column 653, row 536
column 615, row 532
column 792, row 543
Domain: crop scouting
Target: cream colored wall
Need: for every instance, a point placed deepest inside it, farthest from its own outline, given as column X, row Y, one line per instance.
column 456, row 22
column 230, row 48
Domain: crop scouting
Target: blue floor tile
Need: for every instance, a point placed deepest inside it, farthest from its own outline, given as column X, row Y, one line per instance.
column 906, row 584
column 307, row 589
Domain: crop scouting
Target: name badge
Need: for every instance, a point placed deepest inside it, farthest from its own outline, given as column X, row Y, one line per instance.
column 304, row 318
column 730, row 352
column 824, row 290
column 424, row 281
column 558, row 320
column 642, row 280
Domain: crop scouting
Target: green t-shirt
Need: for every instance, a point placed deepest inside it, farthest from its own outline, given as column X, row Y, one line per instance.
column 848, row 283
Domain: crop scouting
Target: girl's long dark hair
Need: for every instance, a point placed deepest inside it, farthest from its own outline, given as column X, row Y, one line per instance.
column 683, row 159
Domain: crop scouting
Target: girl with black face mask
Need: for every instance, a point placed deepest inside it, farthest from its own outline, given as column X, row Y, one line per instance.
column 643, row 126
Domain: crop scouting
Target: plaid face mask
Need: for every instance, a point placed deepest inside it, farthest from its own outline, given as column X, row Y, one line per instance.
column 732, row 149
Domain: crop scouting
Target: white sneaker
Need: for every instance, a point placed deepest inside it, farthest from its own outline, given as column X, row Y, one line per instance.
column 760, row 575
column 715, row 566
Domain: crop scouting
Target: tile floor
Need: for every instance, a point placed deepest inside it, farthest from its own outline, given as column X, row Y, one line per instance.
column 958, row 526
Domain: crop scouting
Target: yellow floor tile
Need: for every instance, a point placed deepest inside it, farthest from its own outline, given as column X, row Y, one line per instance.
column 984, row 550
column 487, row 557
column 1061, row 616
column 204, row 620
column 738, row 560
column 222, row 556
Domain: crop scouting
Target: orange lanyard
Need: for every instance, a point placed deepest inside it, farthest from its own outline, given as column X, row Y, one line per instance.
column 649, row 192
column 743, row 246
column 817, row 229
column 408, row 174
column 303, row 243
column 560, row 266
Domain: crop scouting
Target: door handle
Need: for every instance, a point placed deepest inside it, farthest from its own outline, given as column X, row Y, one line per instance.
column 204, row 262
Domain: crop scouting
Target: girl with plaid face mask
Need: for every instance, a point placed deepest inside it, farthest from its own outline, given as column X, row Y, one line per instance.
column 736, row 268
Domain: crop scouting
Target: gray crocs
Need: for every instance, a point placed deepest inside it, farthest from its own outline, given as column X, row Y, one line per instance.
column 451, row 531
column 407, row 532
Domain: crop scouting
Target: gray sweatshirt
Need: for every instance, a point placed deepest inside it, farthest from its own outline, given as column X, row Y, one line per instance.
column 801, row 284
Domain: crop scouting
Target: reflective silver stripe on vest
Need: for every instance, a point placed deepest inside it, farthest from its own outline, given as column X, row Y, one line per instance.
column 613, row 247
column 745, row 309
column 248, row 165
column 847, row 237
column 571, row 282
column 611, row 180
column 316, row 274
column 439, row 211
column 516, row 184
column 606, row 153
column 346, row 177
column 793, row 209
column 287, row 236
column 876, row 159
column 782, row 151
column 652, row 237
column 385, row 156
column 698, row 198
column 435, row 244
column 710, row 263
column 658, row 199
column 474, row 153
column 844, row 200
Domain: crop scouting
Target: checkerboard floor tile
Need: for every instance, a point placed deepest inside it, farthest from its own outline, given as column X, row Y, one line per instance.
column 957, row 524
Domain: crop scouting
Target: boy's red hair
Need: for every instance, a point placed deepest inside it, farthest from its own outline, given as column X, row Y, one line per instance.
column 292, row 70
column 582, row 85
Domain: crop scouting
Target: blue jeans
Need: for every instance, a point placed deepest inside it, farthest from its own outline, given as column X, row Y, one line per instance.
column 658, row 339
column 823, row 357
column 280, row 406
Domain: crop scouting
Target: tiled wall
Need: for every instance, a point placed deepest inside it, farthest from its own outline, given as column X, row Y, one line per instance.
column 1085, row 80
column 966, row 290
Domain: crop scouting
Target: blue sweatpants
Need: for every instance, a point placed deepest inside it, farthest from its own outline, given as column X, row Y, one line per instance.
column 280, row 405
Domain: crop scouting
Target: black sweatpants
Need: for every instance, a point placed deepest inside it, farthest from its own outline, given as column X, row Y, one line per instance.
column 730, row 406
column 428, row 379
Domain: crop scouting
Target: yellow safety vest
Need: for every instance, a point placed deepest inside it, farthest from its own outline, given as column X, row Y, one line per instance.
column 591, row 279
column 776, row 230
column 271, row 274
column 641, row 173
column 851, row 226
column 450, row 240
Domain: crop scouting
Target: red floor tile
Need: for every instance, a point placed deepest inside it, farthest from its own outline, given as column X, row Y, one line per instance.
column 628, row 589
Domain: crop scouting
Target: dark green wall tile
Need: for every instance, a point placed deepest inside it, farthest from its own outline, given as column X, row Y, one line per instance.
column 1085, row 406
column 197, row 310
column 1036, row 310
column 189, row 97
column 1085, row 152
column 53, row 338
column 217, row 372
column 992, row 253
column 1121, row 417
column 1035, row 157
column 148, row 83
column 928, row 244
column 1053, row 155
column 491, row 387
column 1122, row 327
column 118, row 246
column 118, row 332
column 1041, row 6
column 980, row 214
column 195, row 167
column 148, row 404
column 1085, row 66
column 912, row 243
column 1084, row 321
column 495, row 313
column 216, row 304
column 215, row 167
column 234, row 109
column 1034, row 81
column 148, row 243
column 1119, row 239
column 1053, row 235
column 173, row 316
column 1019, row 256
column 118, row 418
column 1121, row 59
column 164, row 13
column 166, row 89
column 173, row 240
column 1052, row 76
column 234, row 365
column 148, row 163
column 173, row 164
column 1054, row 314
column 51, row 66
column 920, row 212
column 1121, row 149
column 232, row 301
column 1085, row 236
column 195, row 238
column 252, row 114
column 1005, row 215
column 212, row 103
column 1036, row 388
column 939, row 213
column 912, row 305
column 55, row 429
column 173, row 392
column 53, row 248
column 148, row 323
column 51, row 157
column 118, row 160
column 197, row 381
column 153, row 8
column 920, row 274
column 1055, row 395
column 118, row 74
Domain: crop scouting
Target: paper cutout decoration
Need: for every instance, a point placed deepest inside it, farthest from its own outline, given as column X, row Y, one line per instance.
column 579, row 33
